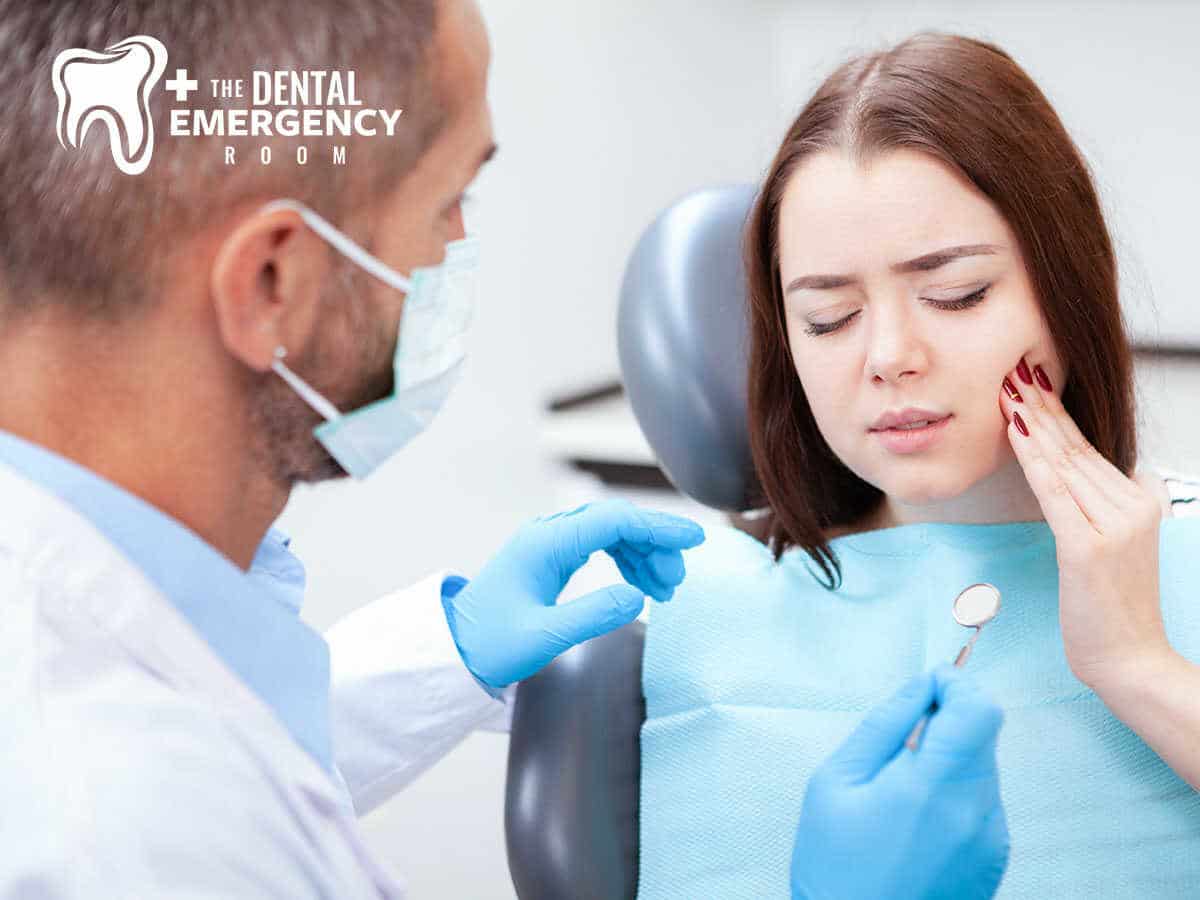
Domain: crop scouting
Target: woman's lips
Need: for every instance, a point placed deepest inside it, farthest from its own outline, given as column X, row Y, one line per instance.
column 912, row 440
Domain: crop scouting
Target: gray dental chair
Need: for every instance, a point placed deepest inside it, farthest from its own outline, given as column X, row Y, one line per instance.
column 574, row 761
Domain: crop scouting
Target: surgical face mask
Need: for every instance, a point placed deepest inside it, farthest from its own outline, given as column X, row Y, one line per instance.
column 438, row 304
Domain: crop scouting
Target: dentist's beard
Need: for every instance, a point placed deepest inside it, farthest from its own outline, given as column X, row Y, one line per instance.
column 349, row 362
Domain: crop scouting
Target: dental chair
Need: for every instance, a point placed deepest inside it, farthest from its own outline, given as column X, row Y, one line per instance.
column 574, row 759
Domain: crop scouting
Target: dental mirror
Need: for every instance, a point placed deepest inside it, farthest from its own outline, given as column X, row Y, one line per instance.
column 974, row 607
column 977, row 605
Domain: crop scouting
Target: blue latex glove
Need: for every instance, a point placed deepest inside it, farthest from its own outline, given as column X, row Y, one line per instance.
column 881, row 822
column 505, row 621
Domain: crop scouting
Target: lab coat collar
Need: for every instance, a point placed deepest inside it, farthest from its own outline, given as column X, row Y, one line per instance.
column 247, row 619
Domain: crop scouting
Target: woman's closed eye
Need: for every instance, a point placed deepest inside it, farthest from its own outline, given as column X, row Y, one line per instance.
column 971, row 299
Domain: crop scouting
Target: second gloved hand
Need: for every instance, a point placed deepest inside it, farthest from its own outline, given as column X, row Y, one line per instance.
column 880, row 822
column 505, row 620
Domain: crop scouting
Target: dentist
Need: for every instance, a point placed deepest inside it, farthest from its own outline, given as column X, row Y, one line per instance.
column 179, row 349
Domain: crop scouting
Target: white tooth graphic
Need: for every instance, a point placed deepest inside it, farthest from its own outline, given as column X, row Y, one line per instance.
column 112, row 87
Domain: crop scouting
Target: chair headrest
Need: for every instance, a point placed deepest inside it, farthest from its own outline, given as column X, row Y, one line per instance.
column 682, row 342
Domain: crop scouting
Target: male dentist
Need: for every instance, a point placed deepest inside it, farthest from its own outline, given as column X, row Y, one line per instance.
column 181, row 342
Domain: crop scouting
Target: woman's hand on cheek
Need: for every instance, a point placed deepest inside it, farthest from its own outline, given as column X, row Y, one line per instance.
column 1106, row 533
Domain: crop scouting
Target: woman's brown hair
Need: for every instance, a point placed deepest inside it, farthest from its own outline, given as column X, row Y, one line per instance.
column 968, row 104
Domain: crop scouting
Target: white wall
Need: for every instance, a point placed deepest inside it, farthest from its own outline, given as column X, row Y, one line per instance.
column 605, row 113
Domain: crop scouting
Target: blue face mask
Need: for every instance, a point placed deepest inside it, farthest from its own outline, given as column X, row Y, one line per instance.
column 438, row 305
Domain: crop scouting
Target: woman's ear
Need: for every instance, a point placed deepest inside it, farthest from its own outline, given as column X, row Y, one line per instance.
column 266, row 285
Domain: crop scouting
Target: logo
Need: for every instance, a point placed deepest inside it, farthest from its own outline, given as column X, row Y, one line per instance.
column 112, row 88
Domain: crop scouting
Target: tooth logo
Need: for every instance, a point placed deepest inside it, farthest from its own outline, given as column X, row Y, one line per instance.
column 113, row 88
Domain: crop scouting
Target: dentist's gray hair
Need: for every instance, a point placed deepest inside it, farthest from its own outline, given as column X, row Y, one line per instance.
column 78, row 233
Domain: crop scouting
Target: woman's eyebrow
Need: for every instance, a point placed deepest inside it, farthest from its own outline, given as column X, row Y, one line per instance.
column 924, row 263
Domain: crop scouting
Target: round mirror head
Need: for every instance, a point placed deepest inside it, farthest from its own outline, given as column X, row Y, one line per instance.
column 976, row 605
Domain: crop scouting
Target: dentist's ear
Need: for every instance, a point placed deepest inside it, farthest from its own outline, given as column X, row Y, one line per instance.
column 266, row 285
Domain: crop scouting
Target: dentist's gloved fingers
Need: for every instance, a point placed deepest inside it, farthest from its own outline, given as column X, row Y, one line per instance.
column 626, row 564
column 649, row 582
column 881, row 733
column 985, row 854
column 633, row 569
column 671, row 531
column 667, row 566
column 960, row 738
column 600, row 526
column 657, row 573
column 592, row 615
column 995, row 838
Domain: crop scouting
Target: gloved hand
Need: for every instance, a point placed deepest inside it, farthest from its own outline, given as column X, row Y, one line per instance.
column 881, row 822
column 505, row 620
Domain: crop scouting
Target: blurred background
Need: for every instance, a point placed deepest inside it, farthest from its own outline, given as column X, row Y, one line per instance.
column 606, row 113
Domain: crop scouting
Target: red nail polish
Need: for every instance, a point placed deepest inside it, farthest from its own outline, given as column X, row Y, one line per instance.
column 1011, row 391
column 1040, row 374
column 1020, row 424
column 1023, row 371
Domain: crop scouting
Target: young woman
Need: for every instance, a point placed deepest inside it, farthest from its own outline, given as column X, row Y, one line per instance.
column 941, row 394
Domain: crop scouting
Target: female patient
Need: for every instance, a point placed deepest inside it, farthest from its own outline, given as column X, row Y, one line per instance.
column 940, row 394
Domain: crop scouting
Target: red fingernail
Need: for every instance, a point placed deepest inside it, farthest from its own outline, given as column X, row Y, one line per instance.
column 1023, row 371
column 1020, row 424
column 1011, row 391
column 1043, row 380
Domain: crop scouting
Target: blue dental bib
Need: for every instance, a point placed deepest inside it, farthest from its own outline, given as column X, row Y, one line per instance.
column 755, row 672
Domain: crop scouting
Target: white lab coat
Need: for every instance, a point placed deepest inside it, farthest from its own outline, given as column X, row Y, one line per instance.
column 135, row 764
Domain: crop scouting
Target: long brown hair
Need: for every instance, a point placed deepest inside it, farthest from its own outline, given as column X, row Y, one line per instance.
column 967, row 103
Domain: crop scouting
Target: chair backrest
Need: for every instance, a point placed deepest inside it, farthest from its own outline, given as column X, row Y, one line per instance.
column 574, row 759
column 682, row 341
column 574, row 764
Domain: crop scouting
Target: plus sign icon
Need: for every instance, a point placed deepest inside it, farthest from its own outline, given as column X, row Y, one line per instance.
column 181, row 85
column 112, row 88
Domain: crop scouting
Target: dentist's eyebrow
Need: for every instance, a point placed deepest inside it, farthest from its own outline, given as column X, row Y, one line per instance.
column 925, row 263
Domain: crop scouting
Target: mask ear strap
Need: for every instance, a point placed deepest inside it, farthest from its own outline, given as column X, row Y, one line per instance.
column 322, row 406
column 344, row 245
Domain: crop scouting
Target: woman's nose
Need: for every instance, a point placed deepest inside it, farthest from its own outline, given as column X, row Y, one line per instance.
column 895, row 346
